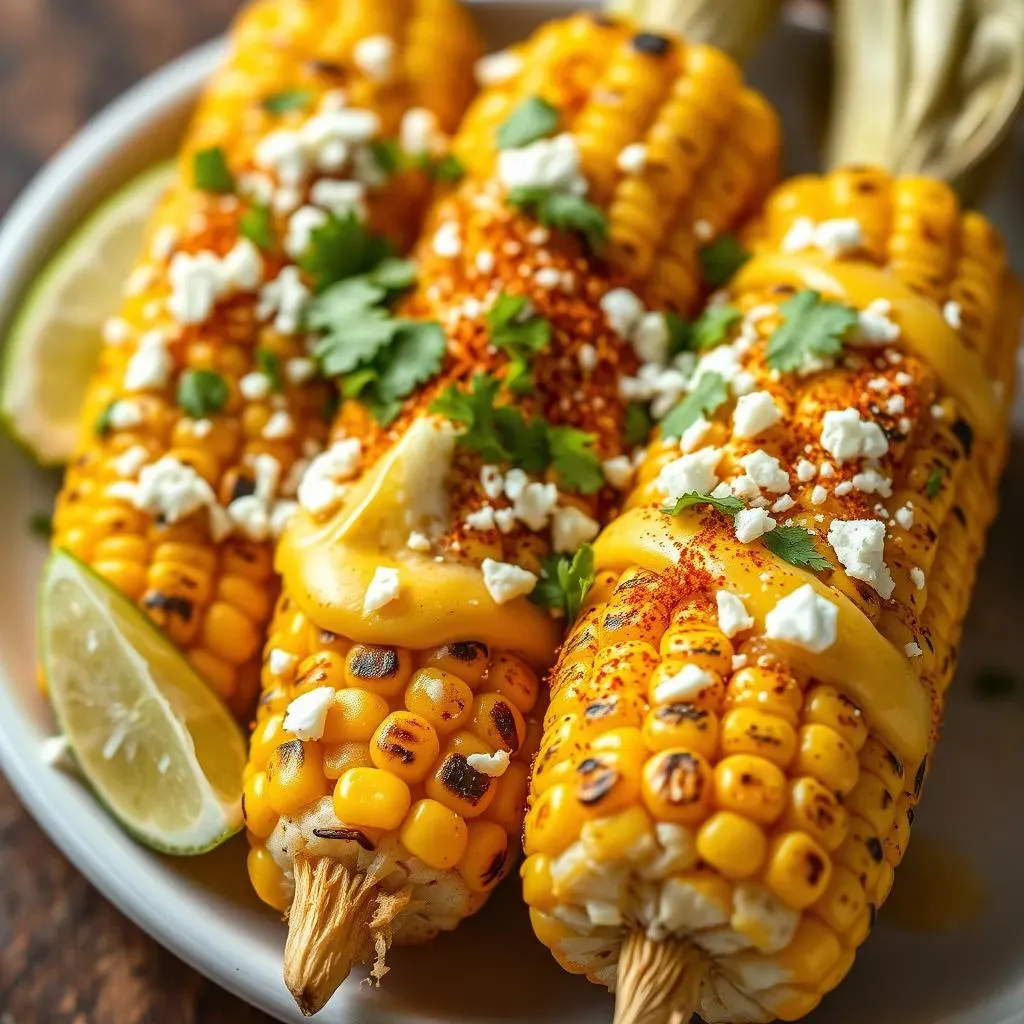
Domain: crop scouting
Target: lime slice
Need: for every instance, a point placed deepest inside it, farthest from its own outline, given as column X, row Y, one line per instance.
column 55, row 340
column 157, row 745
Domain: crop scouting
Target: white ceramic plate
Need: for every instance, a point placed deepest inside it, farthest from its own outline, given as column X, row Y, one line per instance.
column 492, row 969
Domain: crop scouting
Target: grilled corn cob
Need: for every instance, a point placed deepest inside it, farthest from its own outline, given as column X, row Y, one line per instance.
column 740, row 721
column 206, row 405
column 388, row 768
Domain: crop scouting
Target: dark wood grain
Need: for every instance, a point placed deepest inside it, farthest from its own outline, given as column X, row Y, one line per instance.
column 66, row 955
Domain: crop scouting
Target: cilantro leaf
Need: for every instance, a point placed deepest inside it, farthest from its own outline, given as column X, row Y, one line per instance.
column 103, row 426
column 934, row 485
column 211, row 172
column 288, row 99
column 415, row 356
column 393, row 274
column 721, row 259
column 202, row 393
column 269, row 364
column 680, row 334
column 533, row 119
column 730, row 505
column 521, row 335
column 474, row 410
column 712, row 326
column 811, row 327
column 574, row 458
column 449, row 168
column 563, row 211
column 340, row 248
column 40, row 524
column 708, row 394
column 257, row 224
column 386, row 155
column 793, row 544
column 637, row 425
column 565, row 582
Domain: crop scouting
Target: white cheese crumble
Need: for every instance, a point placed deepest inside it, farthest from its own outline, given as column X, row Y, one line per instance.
column 492, row 765
column 905, row 516
column 419, row 134
column 199, row 281
column 806, row 471
column 952, row 314
column 340, row 197
column 836, row 237
column 586, row 356
column 321, row 489
column 306, row 715
column 505, row 582
column 896, row 406
column 280, row 425
column 130, row 461
column 170, row 490
column 299, row 370
column 766, row 471
column 480, row 519
column 683, row 687
column 571, row 529
column 116, row 331
column 418, row 542
column 375, row 57
column 548, row 277
column 693, row 436
column 870, row 481
column 281, row 662
column 917, row 577
column 845, row 436
column 622, row 309
column 912, row 650
column 783, row 504
column 447, row 242
column 497, row 67
column 149, row 369
column 552, row 164
column 125, row 414
column 859, row 545
column 804, row 618
column 755, row 413
column 618, row 471
column 254, row 386
column 632, row 159
column 301, row 225
column 752, row 523
column 874, row 327
column 382, row 589
column 733, row 616
column 692, row 472
column 493, row 481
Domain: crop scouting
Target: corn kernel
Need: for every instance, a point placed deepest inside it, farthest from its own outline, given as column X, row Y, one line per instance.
column 371, row 797
column 618, row 710
column 842, row 901
column 752, row 731
column 509, row 804
column 354, row 716
column 381, row 670
column 538, row 889
column 512, row 678
column 622, row 837
column 814, row 809
column 550, row 930
column 628, row 743
column 607, row 782
column 812, row 953
column 769, row 689
column 706, row 647
column 498, row 722
column 555, row 760
column 884, row 884
column 860, row 929
column 732, row 845
column 862, row 853
column 677, row 786
column 827, row 706
column 435, row 834
column 325, row 668
column 826, row 756
column 876, row 758
column 406, row 745
column 468, row 660
column 687, row 726
column 487, row 858
column 260, row 817
column 442, row 699
column 873, row 802
column 268, row 879
column 799, row 870
column 458, row 786
column 554, row 821
column 229, row 634
column 265, row 739
column 751, row 786
column 339, row 757
column 215, row 671
column 295, row 776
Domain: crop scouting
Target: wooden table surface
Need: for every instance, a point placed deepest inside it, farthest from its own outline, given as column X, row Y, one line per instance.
column 66, row 955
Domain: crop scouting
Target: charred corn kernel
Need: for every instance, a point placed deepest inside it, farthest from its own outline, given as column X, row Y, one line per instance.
column 828, row 707
column 372, row 797
column 354, row 716
column 498, row 722
column 798, row 869
column 614, row 711
column 556, row 758
column 406, row 745
column 862, row 852
column 619, row 837
column 486, row 860
column 752, row 786
column 538, row 889
column 732, row 845
column 695, row 644
column 468, row 660
column 843, row 900
column 456, row 784
column 260, row 817
column 381, row 670
column 898, row 835
column 554, row 820
column 512, row 678
column 678, row 786
column 877, row 759
column 325, row 668
column 751, row 731
column 266, row 738
column 444, row 700
column 606, row 783
column 682, row 725
column 435, row 834
column 873, row 802
column 268, row 879
column 295, row 776
column 339, row 757
column 826, row 756
column 814, row 809
column 509, row 804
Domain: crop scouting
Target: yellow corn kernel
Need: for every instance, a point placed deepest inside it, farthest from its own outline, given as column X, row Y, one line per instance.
column 826, row 756
column 873, row 802
column 813, row 951
column 468, row 660
column 406, row 745
column 255, row 601
column 435, row 834
column 556, row 758
column 732, row 845
column 607, row 782
column 381, row 670
column 751, row 786
column 295, row 776
column 458, row 786
column 128, row 577
column 538, row 889
column 628, row 743
column 828, row 706
column 798, row 871
column 498, row 722
column 339, row 757
column 687, row 726
column 268, row 879
column 215, row 671
column 444, row 700
column 898, row 836
column 840, row 969
column 861, row 928
column 884, row 884
column 512, row 678
column 862, row 853
column 230, row 634
column 554, row 821
column 814, row 809
column 354, row 716
column 265, row 739
column 752, row 731
column 842, row 901
column 768, row 689
column 325, row 668
column 678, row 786
column 618, row 710
column 509, row 804
column 371, row 797
column 486, row 860
column 551, row 931
column 620, row 837
column 260, row 817
column 876, row 758
column 704, row 646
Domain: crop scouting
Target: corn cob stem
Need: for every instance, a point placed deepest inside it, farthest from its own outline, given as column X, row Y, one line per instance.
column 339, row 918
column 659, row 980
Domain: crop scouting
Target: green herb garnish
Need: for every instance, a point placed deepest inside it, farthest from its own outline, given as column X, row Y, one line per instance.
column 202, row 393
column 574, row 459
column 729, row 505
column 563, row 211
column 521, row 334
column 721, row 259
column 269, row 364
column 711, row 327
column 680, row 334
column 707, row 395
column 934, row 484
column 565, row 582
column 811, row 327
column 257, row 224
column 341, row 248
column 289, row 99
column 449, row 168
column 103, row 426
column 211, row 172
column 533, row 119
column 638, row 424
column 386, row 155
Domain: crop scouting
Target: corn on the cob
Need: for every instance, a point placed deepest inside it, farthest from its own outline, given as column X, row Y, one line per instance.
column 404, row 626
column 734, row 745
column 206, row 405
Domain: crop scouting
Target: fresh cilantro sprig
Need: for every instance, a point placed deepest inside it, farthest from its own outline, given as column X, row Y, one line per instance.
column 707, row 395
column 342, row 247
column 269, row 364
column 449, row 168
column 391, row 159
column 933, row 486
column 563, row 211
column 721, row 259
column 812, row 326
column 680, row 334
column 712, row 326
column 638, row 424
column 211, row 172
column 514, row 329
column 565, row 582
column 500, row 433
column 287, row 100
column 202, row 393
column 103, row 424
column 533, row 119
column 257, row 224
column 792, row 544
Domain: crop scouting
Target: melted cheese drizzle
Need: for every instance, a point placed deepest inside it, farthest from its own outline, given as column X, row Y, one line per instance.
column 861, row 663
column 327, row 566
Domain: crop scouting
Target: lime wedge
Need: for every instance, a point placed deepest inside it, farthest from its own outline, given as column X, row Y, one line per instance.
column 55, row 340
column 157, row 745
